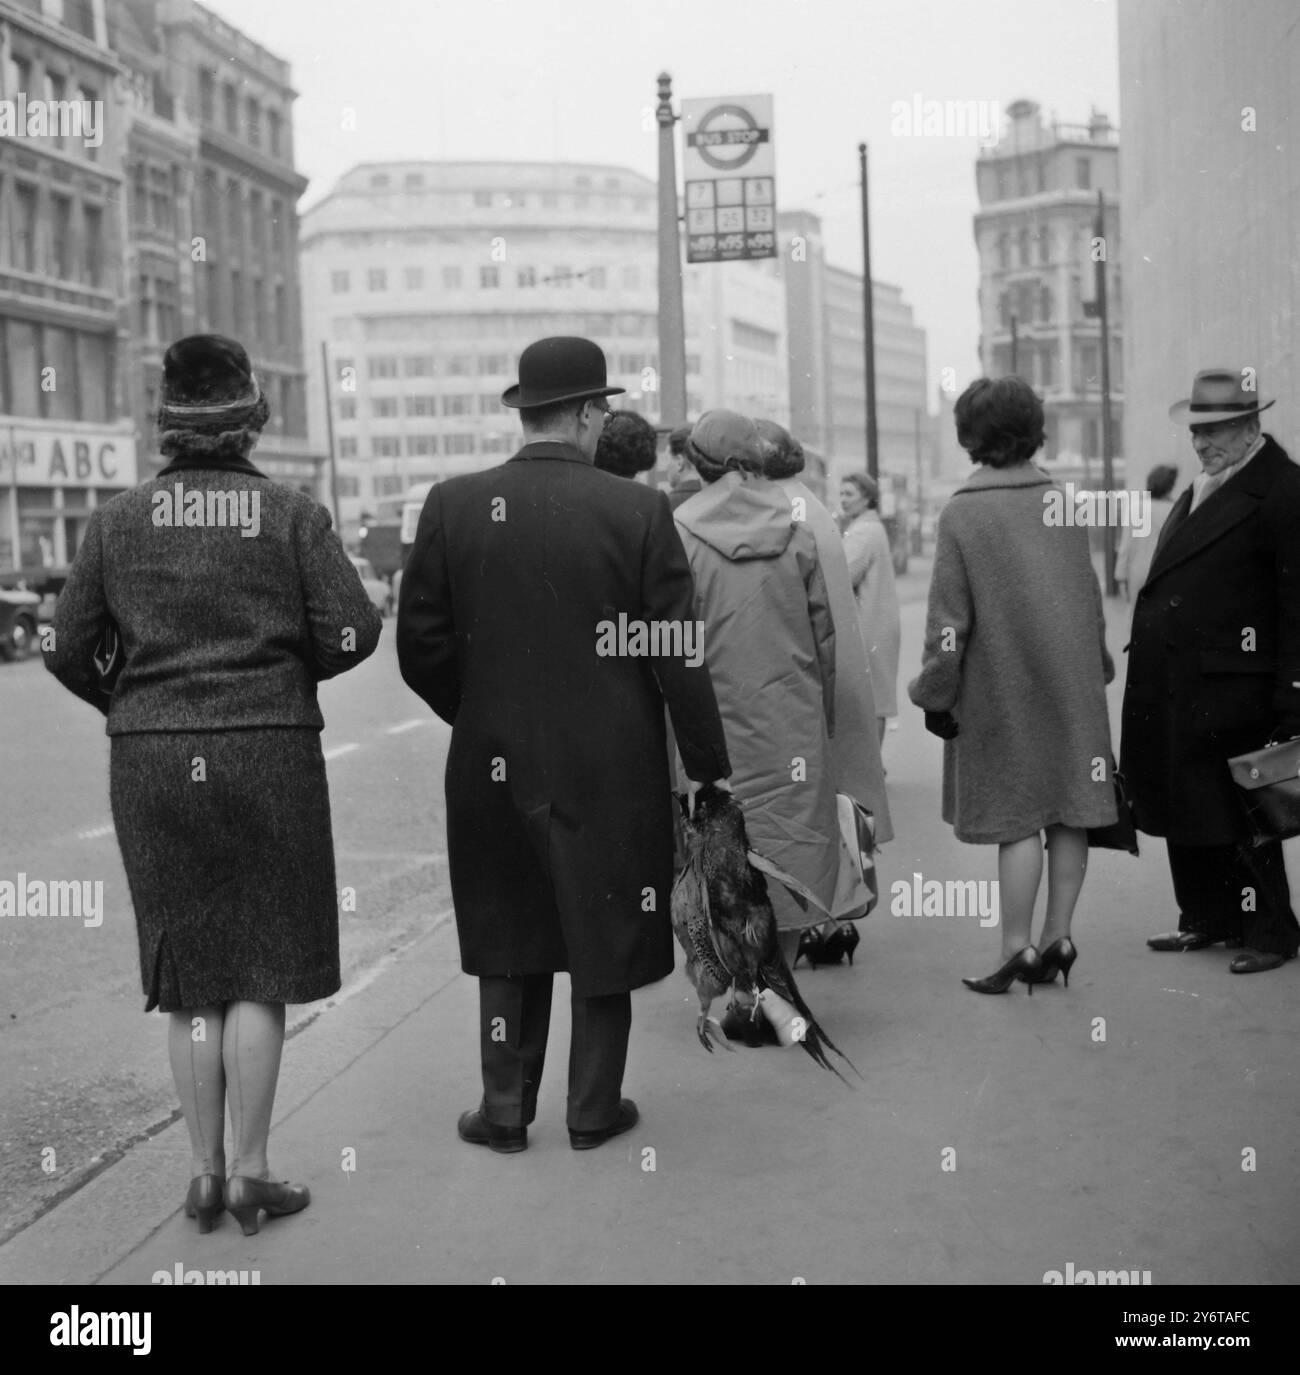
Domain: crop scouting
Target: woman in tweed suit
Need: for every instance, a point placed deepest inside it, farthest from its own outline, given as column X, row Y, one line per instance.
column 232, row 598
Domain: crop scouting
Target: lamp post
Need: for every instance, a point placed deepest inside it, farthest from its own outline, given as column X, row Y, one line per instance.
column 672, row 316
column 1107, row 463
column 329, row 434
column 868, row 323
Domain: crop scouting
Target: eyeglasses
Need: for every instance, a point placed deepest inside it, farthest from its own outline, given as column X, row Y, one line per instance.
column 606, row 414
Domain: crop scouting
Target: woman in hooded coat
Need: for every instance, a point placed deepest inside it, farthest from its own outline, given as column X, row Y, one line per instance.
column 769, row 643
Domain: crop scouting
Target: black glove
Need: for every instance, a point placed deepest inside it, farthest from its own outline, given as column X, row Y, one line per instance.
column 941, row 723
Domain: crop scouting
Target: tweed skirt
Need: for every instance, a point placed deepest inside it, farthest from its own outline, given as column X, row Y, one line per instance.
column 225, row 838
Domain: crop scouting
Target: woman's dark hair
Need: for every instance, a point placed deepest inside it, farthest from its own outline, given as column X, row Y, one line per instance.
column 627, row 445
column 782, row 452
column 1000, row 421
column 1161, row 479
column 866, row 487
column 230, row 436
column 711, row 470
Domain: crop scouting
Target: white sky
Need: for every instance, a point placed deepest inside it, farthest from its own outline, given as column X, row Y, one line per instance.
column 540, row 79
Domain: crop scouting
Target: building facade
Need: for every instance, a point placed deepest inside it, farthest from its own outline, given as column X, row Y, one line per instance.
column 66, row 438
column 424, row 281
column 828, row 390
column 212, row 233
column 1038, row 189
column 1211, row 190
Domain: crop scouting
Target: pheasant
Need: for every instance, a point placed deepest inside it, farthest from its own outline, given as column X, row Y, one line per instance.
column 723, row 920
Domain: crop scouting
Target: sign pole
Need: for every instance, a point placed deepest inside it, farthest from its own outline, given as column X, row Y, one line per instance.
column 672, row 315
column 329, row 434
column 1107, row 465
column 868, row 324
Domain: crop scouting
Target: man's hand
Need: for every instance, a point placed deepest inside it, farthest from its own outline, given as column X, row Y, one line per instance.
column 942, row 724
column 692, row 787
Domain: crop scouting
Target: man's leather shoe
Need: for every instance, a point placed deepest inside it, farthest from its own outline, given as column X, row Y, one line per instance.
column 1191, row 940
column 1256, row 961
column 627, row 1118
column 476, row 1129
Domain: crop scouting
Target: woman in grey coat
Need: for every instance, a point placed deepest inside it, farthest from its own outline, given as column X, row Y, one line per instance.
column 769, row 643
column 871, row 566
column 232, row 598
column 1014, row 678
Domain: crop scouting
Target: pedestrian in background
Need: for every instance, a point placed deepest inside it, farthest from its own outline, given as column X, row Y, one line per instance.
column 683, row 480
column 627, row 445
column 218, row 786
column 1214, row 671
column 769, row 641
column 871, row 568
column 855, row 746
column 1013, row 679
column 1133, row 560
column 559, row 825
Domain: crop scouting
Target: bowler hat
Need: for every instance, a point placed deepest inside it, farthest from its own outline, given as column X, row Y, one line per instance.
column 207, row 375
column 563, row 368
column 1218, row 394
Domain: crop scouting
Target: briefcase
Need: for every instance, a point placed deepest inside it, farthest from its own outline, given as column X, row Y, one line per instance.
column 1269, row 780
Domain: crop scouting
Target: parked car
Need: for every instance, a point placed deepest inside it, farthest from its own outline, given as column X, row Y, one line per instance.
column 379, row 592
column 19, row 617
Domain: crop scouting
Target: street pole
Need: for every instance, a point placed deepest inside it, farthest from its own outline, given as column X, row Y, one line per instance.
column 868, row 323
column 329, row 434
column 1015, row 344
column 1107, row 464
column 15, row 533
column 920, row 490
column 672, row 315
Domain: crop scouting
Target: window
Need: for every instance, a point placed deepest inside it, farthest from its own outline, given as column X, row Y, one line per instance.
column 419, row 365
column 1047, row 354
column 93, row 245
column 56, row 90
column 347, row 449
column 1083, row 174
column 451, row 278
column 79, row 16
column 1091, row 438
column 421, row 445
column 25, row 246
column 162, row 200
column 596, row 278
column 494, row 365
column 384, row 408
column 381, row 367
column 349, row 486
column 378, row 180
column 273, row 132
column 421, row 405
column 549, row 200
column 562, row 277
column 631, row 278
column 281, row 314
column 489, row 277
column 348, row 408
column 482, row 198
column 526, row 276
column 145, row 313
column 458, row 444
column 413, row 278
column 460, row 365
column 1004, row 251
column 387, row 446
column 1045, row 303
column 94, row 378
column 458, row 403
column 495, row 444
column 377, row 279
column 256, row 219
column 253, row 120
column 1044, row 247
column 390, row 484
column 1022, row 247
column 207, row 96
column 61, row 214
column 584, row 182
column 277, row 226
column 234, row 210
column 231, row 98
column 168, row 318
column 413, row 180
column 582, row 202
column 612, row 184
column 1041, row 175
column 489, row 403
column 340, row 282
column 236, row 301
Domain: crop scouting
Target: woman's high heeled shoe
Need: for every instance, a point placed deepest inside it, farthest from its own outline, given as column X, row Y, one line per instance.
column 1025, row 965
column 203, row 1200
column 245, row 1196
column 1059, row 955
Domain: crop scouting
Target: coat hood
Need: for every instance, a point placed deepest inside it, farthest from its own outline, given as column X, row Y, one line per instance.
column 741, row 519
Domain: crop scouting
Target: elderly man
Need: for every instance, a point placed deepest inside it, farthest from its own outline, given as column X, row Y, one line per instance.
column 559, row 823
column 1214, row 671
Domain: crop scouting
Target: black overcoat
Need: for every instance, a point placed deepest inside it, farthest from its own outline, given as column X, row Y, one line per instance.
column 559, row 820
column 1214, row 659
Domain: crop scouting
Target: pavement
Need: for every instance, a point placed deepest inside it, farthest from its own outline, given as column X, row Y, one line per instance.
column 1143, row 1120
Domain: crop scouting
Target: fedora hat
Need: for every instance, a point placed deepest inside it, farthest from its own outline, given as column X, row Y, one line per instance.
column 563, row 368
column 1218, row 394
column 207, row 376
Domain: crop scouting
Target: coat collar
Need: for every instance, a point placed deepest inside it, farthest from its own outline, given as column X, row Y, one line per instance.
column 1184, row 535
column 551, row 448
column 1019, row 475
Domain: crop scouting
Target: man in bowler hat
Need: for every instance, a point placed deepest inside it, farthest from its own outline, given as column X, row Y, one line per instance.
column 559, row 820
column 1214, row 671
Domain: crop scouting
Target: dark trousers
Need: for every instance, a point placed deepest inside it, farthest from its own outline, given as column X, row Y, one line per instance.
column 1216, row 885
column 514, row 1021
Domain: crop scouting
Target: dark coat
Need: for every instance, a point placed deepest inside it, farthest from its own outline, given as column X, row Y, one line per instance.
column 1015, row 648
column 559, row 820
column 1200, row 687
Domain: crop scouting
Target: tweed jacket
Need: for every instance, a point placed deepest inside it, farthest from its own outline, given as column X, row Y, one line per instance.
column 221, row 630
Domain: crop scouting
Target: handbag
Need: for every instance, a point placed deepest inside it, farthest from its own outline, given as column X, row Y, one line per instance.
column 1121, row 834
column 856, row 890
column 108, row 658
column 1269, row 780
